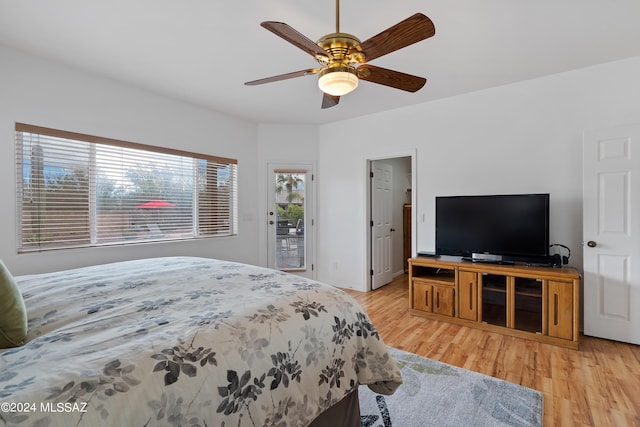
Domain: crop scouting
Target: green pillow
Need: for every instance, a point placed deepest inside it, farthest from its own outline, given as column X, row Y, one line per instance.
column 13, row 313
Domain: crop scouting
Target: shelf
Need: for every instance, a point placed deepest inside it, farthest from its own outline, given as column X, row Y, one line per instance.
column 528, row 286
column 523, row 293
column 435, row 275
column 434, row 280
column 530, row 294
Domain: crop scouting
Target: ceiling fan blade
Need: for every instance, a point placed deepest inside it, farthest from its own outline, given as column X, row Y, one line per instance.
column 391, row 78
column 412, row 30
column 286, row 76
column 329, row 101
column 294, row 37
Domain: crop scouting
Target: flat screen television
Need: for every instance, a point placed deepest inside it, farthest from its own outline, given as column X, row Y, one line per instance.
column 511, row 226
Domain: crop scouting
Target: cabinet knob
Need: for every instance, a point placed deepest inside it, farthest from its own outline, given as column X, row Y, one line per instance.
column 592, row 244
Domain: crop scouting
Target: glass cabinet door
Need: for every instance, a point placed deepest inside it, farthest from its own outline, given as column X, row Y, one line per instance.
column 528, row 304
column 494, row 299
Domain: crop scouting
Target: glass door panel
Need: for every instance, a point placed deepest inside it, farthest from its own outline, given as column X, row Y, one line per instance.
column 528, row 304
column 290, row 223
column 494, row 299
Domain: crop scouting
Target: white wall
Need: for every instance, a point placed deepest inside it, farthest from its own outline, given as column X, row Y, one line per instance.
column 40, row 92
column 520, row 138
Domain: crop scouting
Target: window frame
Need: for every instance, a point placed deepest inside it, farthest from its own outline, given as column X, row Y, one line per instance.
column 95, row 141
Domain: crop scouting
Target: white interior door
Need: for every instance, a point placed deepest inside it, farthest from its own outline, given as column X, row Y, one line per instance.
column 381, row 218
column 611, row 221
column 290, row 219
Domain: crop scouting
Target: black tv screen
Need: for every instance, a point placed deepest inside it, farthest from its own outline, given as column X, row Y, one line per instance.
column 507, row 225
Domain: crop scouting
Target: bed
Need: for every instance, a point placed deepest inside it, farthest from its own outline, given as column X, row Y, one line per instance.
column 189, row 341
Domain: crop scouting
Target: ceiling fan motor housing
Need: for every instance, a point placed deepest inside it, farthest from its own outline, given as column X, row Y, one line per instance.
column 341, row 48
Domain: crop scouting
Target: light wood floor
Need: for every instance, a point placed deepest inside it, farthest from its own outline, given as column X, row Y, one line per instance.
column 598, row 385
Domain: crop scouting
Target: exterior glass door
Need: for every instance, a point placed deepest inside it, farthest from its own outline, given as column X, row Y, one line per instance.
column 288, row 219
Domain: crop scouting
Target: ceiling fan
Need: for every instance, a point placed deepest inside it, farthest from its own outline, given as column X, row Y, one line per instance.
column 343, row 57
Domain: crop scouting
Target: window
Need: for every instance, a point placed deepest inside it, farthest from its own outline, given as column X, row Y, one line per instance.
column 77, row 190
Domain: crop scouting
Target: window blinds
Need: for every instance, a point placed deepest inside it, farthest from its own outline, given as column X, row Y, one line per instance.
column 76, row 190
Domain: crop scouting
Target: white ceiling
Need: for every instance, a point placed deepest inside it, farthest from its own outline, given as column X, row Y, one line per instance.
column 202, row 51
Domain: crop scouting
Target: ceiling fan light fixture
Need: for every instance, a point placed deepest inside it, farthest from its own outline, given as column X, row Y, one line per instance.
column 338, row 81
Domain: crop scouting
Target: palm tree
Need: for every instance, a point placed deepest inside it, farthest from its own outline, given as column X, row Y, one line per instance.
column 289, row 182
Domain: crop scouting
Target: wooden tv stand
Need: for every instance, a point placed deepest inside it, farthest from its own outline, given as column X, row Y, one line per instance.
column 539, row 303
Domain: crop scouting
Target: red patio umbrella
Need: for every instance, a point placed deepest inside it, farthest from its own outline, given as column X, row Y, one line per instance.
column 155, row 204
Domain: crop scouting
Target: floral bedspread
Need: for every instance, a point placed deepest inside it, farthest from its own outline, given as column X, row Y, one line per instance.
column 186, row 341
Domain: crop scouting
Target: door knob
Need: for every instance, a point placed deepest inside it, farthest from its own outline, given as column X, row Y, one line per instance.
column 270, row 222
column 592, row 244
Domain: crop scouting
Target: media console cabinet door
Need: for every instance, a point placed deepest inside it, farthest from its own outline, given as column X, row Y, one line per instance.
column 468, row 295
column 443, row 300
column 560, row 305
column 422, row 295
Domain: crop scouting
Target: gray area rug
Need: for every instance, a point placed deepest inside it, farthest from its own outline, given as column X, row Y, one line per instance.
column 437, row 394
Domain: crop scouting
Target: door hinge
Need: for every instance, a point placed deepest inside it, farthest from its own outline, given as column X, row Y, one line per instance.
column 313, row 177
column 371, row 224
column 313, row 222
column 371, row 272
column 371, row 174
column 313, row 267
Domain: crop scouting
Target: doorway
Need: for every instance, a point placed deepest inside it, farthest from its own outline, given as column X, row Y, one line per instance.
column 290, row 218
column 390, row 182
